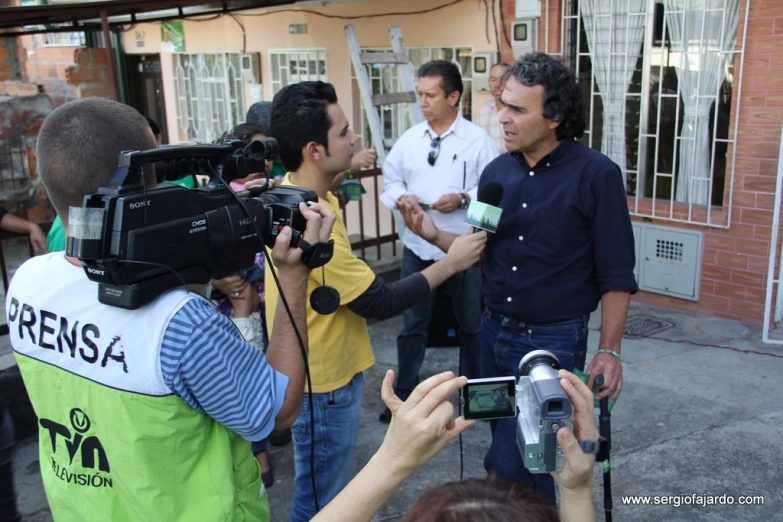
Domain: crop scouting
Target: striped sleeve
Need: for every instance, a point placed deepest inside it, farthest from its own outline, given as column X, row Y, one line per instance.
column 206, row 363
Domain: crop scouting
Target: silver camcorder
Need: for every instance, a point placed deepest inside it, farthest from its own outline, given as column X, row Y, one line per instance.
column 542, row 409
column 537, row 400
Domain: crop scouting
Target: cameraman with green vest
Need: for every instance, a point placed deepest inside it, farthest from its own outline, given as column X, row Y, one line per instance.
column 147, row 414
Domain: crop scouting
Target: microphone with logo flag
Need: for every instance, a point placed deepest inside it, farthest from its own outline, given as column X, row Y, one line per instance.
column 484, row 213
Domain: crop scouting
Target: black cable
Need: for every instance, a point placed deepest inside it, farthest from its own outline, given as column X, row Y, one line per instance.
column 355, row 17
column 505, row 29
column 268, row 258
column 497, row 34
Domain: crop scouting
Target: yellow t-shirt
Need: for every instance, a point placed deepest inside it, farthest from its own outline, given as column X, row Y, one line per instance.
column 339, row 343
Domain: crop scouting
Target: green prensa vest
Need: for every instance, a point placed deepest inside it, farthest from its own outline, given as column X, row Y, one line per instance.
column 115, row 444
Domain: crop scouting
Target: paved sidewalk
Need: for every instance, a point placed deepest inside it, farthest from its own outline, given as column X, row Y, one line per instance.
column 691, row 420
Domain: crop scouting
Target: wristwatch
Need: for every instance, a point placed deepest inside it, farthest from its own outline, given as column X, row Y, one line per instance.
column 463, row 203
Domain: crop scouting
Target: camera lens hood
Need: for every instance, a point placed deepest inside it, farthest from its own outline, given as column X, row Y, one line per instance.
column 535, row 358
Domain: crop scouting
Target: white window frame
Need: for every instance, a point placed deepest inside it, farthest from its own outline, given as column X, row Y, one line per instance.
column 280, row 73
column 656, row 207
column 210, row 99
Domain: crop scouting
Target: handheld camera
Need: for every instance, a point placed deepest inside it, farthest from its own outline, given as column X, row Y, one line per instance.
column 138, row 241
column 537, row 400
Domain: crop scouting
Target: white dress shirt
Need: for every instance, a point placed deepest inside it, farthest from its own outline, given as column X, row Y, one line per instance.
column 488, row 120
column 465, row 149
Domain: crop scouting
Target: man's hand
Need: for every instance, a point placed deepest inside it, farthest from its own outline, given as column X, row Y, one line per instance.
column 261, row 181
column 422, row 425
column 233, row 286
column 364, row 159
column 578, row 468
column 37, row 239
column 447, row 203
column 466, row 250
column 612, row 369
column 320, row 221
column 418, row 221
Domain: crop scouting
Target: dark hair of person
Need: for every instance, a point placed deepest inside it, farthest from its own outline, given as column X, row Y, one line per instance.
column 451, row 79
column 299, row 116
column 259, row 114
column 246, row 131
column 481, row 500
column 153, row 126
column 562, row 96
column 79, row 145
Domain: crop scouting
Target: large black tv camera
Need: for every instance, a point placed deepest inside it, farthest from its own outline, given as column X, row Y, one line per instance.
column 138, row 241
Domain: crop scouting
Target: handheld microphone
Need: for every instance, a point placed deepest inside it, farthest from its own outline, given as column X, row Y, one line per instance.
column 484, row 214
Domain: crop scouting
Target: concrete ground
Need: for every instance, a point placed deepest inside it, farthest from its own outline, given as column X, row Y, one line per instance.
column 692, row 420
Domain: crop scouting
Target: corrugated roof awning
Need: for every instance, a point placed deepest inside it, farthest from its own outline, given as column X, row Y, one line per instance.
column 87, row 15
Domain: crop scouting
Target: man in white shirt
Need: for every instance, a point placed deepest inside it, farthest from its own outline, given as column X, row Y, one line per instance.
column 488, row 113
column 438, row 162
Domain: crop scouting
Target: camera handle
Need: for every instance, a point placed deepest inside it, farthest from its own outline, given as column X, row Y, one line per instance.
column 605, row 432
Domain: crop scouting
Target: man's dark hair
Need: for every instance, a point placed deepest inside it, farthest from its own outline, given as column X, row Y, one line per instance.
column 481, row 500
column 79, row 144
column 153, row 126
column 299, row 116
column 451, row 79
column 259, row 113
column 562, row 96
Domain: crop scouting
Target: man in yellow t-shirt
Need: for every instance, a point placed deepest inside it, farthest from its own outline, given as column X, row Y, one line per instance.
column 316, row 144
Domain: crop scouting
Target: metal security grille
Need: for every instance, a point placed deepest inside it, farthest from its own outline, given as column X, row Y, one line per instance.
column 383, row 77
column 669, row 250
column 659, row 77
column 294, row 66
column 645, row 325
column 210, row 94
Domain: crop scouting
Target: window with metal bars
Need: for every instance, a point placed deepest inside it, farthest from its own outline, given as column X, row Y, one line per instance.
column 298, row 65
column 658, row 77
column 210, row 95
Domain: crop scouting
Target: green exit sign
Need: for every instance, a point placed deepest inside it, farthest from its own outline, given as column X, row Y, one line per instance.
column 297, row 29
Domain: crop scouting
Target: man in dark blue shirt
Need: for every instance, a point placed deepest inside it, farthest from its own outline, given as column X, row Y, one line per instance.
column 564, row 243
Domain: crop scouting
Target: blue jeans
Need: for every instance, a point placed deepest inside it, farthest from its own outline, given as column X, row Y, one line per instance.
column 337, row 419
column 504, row 341
column 465, row 291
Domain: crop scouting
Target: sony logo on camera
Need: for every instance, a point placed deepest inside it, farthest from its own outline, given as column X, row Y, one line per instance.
column 140, row 204
column 96, row 271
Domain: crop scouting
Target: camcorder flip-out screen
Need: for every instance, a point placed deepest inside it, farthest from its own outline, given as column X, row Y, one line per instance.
column 493, row 398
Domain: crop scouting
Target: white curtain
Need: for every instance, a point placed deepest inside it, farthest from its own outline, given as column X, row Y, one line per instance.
column 615, row 34
column 701, row 33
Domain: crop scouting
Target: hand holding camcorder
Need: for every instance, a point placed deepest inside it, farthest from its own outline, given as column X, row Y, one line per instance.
column 542, row 405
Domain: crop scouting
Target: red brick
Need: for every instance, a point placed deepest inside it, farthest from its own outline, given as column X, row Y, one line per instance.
column 765, row 116
column 717, row 241
column 746, row 166
column 746, row 309
column 714, row 302
column 762, row 45
column 770, row 8
column 775, row 99
column 744, row 199
column 763, row 184
column 756, row 217
column 776, row 62
column 747, row 278
column 765, row 201
column 758, row 264
column 729, row 290
column 760, row 26
column 751, row 132
column 82, row 75
column 759, row 150
column 733, row 260
column 707, row 287
column 768, row 168
column 762, row 233
column 767, row 81
column 778, row 27
column 756, row 294
column 753, row 247
column 769, row 133
column 716, row 273
column 740, row 230
column 710, row 257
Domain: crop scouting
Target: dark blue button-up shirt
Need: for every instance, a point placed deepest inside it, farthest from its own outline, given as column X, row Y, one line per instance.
column 564, row 238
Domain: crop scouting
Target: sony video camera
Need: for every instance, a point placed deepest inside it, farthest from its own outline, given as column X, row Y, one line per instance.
column 538, row 401
column 138, row 241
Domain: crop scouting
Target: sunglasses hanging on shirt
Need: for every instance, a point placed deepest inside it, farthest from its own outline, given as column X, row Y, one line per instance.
column 433, row 155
